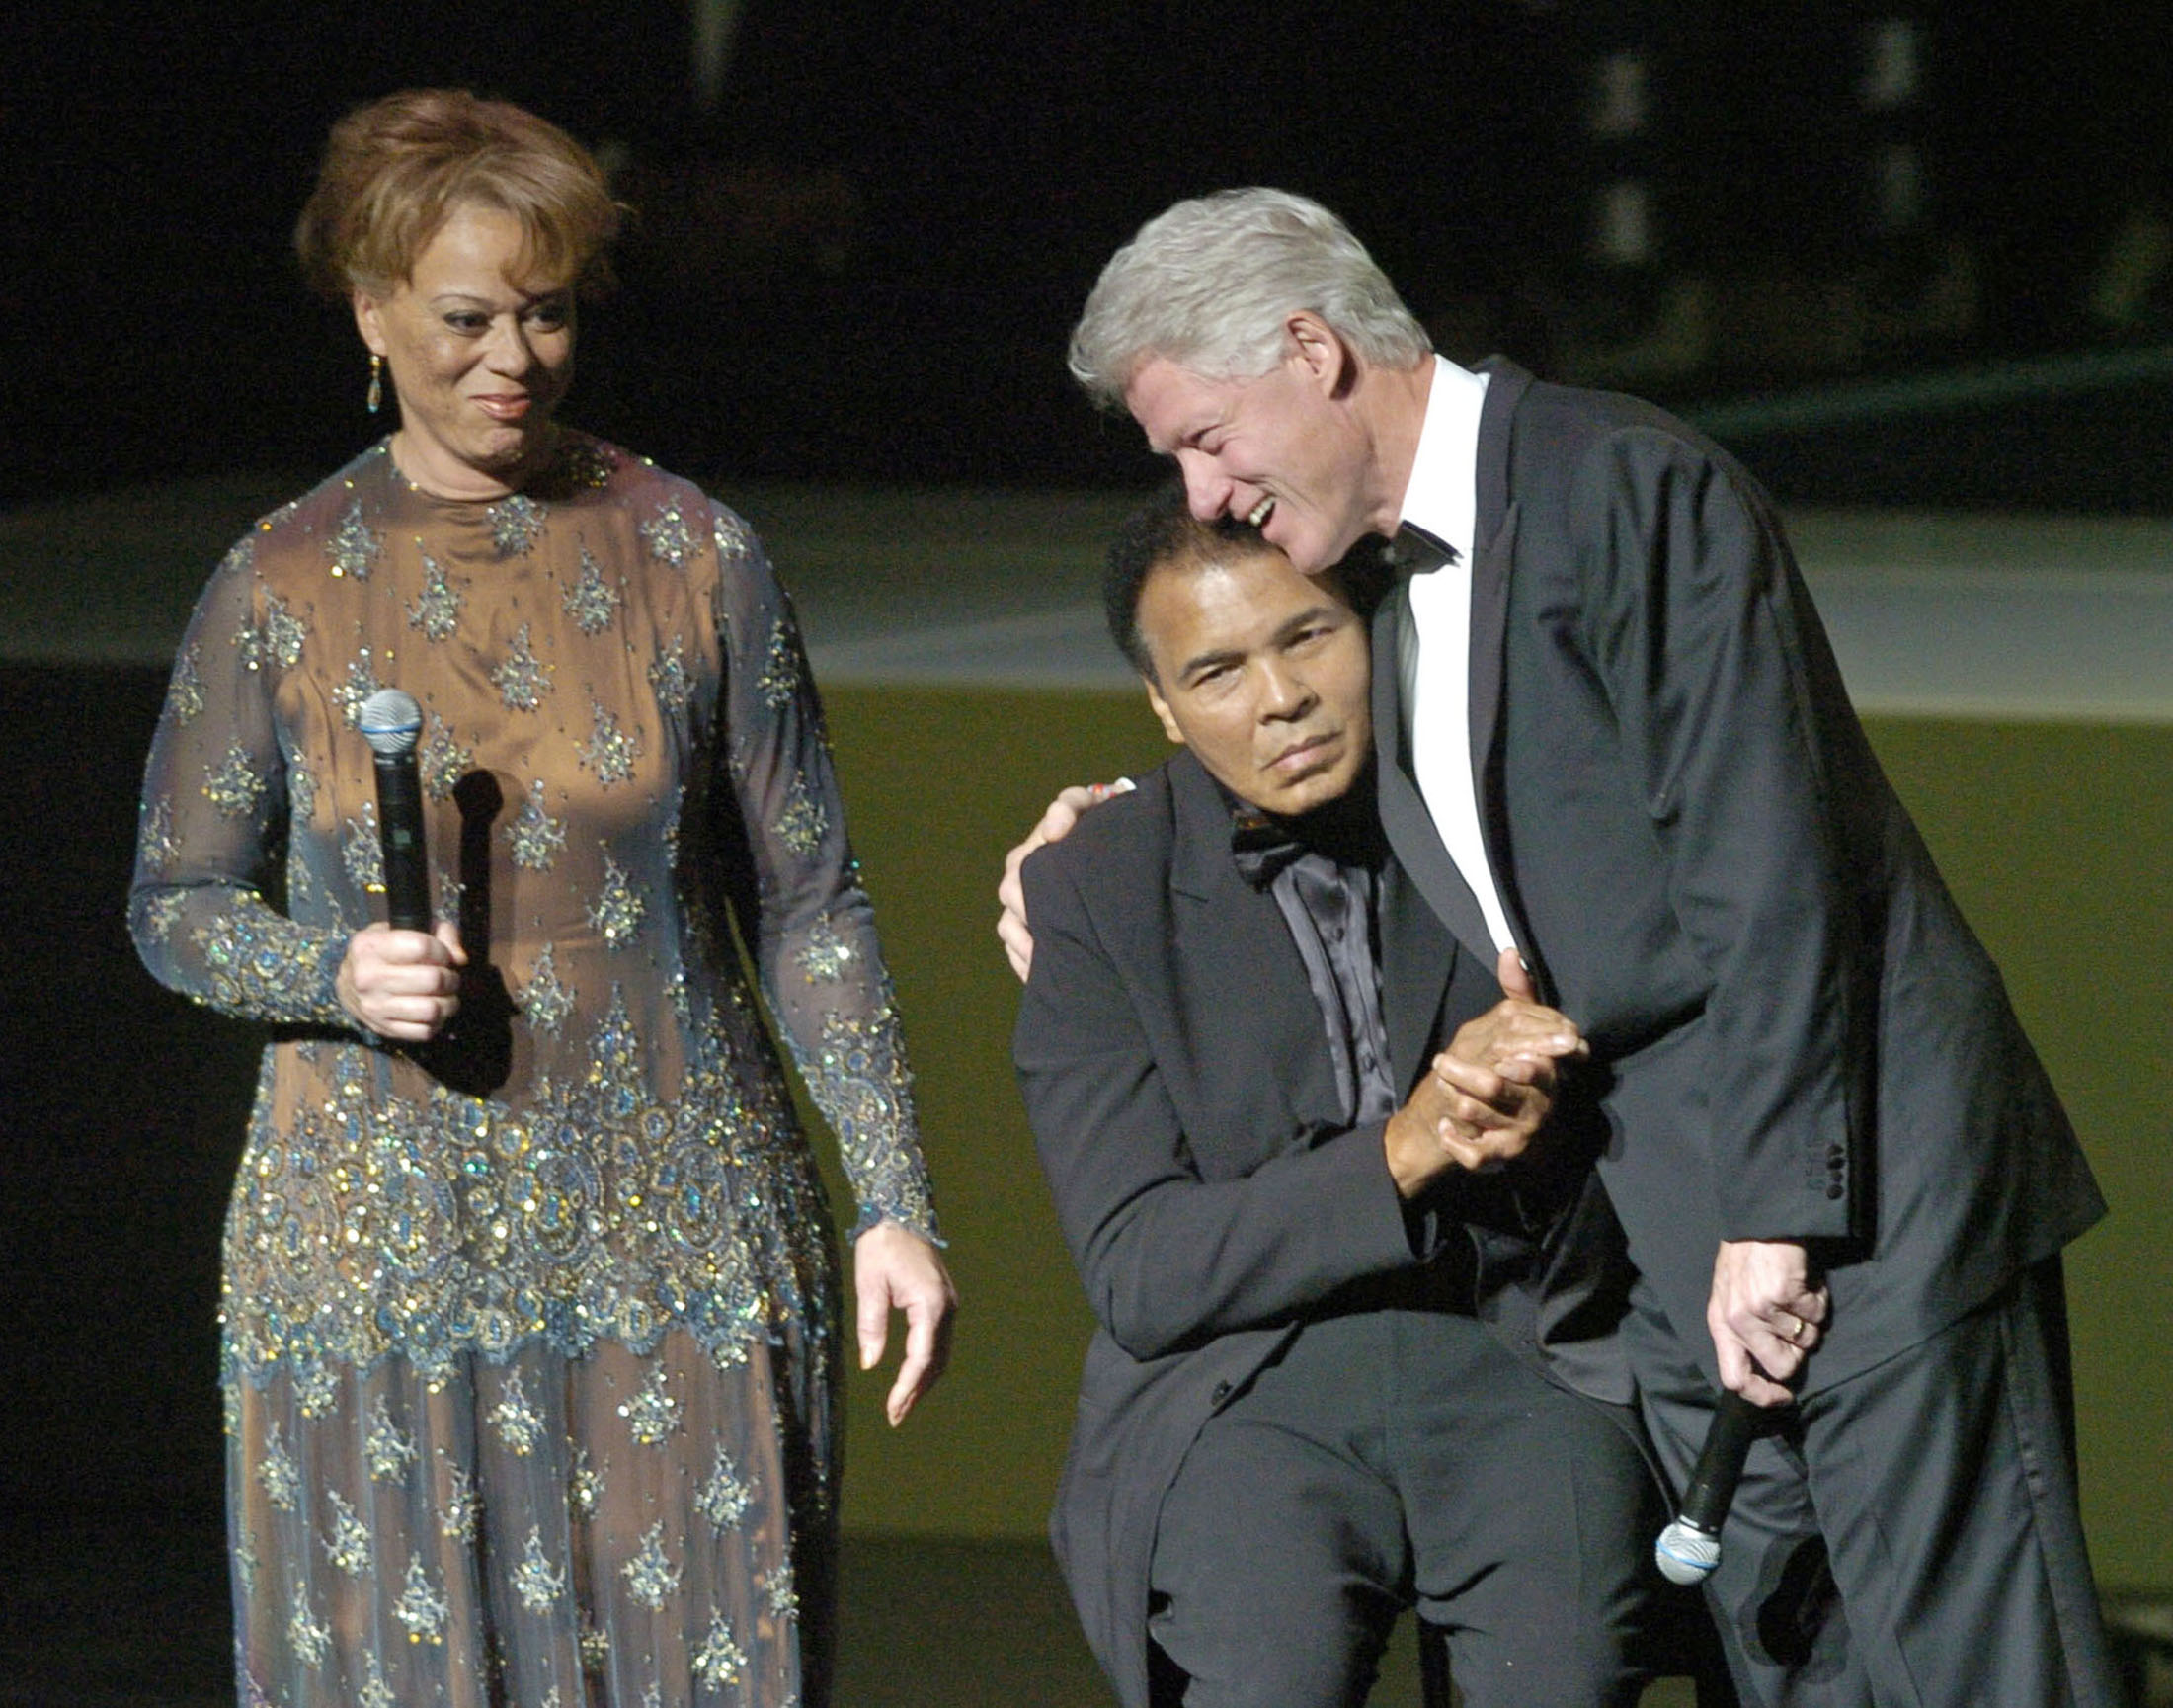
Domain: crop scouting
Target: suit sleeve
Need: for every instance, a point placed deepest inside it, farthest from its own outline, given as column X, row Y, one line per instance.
column 1719, row 674
column 1170, row 1258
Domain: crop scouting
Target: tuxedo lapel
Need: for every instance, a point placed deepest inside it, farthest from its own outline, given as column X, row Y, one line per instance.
column 1494, row 535
column 1417, row 959
column 1506, row 385
column 1490, row 621
column 1489, row 679
column 1403, row 815
column 1246, row 980
column 1496, row 538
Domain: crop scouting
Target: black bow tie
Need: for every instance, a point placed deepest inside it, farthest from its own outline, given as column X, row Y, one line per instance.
column 1261, row 846
column 1346, row 831
column 1415, row 552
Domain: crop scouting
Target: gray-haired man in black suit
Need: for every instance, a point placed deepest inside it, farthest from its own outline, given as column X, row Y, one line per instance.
column 1611, row 736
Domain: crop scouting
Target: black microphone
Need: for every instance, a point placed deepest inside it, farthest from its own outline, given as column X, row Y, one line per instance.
column 1690, row 1547
column 390, row 721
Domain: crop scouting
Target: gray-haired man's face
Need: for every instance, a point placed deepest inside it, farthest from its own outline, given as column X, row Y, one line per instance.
column 1282, row 451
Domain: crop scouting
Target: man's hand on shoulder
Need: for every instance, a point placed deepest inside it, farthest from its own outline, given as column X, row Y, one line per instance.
column 1056, row 824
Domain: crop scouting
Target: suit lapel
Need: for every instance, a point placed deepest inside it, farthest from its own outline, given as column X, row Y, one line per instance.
column 1490, row 621
column 1417, row 959
column 1494, row 533
column 1496, row 538
column 1403, row 815
column 1233, row 950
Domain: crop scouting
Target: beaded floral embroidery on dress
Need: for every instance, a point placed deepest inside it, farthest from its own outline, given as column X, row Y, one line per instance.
column 435, row 610
column 591, row 601
column 354, row 545
column 522, row 678
column 590, row 1225
column 535, row 837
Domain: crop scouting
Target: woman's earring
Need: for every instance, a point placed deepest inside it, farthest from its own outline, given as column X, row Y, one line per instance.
column 376, row 395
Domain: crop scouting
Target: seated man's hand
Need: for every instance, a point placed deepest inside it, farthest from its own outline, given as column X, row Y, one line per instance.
column 1463, row 1117
column 1489, row 1094
column 1056, row 824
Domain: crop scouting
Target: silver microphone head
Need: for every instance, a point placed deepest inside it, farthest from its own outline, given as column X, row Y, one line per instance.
column 1686, row 1554
column 390, row 721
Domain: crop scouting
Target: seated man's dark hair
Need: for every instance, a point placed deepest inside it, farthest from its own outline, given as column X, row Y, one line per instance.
column 1164, row 530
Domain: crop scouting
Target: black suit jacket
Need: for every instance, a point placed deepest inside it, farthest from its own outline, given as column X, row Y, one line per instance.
column 1795, row 1035
column 1176, row 1073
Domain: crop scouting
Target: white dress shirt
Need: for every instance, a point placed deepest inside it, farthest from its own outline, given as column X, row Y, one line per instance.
column 1443, row 499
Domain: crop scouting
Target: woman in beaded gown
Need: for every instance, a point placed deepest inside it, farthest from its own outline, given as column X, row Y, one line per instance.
column 529, row 1301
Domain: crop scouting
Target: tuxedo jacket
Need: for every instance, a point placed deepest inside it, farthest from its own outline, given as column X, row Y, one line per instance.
column 1794, row 1034
column 1184, row 1105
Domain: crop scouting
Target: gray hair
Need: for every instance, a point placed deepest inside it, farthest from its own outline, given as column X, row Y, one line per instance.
column 1210, row 284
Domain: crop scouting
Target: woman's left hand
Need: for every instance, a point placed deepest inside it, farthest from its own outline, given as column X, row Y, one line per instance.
column 895, row 1269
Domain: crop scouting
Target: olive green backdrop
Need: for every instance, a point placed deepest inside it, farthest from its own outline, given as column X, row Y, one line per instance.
column 2054, row 837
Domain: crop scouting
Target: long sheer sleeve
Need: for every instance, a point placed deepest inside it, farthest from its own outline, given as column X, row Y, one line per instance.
column 213, row 819
column 530, row 1335
column 814, row 932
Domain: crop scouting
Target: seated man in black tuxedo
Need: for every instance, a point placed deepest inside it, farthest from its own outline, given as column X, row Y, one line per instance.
column 1289, row 1127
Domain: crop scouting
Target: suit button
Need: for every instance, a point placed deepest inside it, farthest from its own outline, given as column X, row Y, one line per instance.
column 1835, row 1156
column 1834, row 1190
column 1221, row 1393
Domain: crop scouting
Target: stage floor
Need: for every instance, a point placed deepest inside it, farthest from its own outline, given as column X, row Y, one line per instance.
column 130, row 1612
column 122, row 1613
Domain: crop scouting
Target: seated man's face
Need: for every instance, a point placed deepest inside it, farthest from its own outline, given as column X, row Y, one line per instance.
column 1263, row 673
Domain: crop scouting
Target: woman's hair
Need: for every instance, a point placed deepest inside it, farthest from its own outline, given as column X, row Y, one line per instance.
column 1210, row 284
column 394, row 170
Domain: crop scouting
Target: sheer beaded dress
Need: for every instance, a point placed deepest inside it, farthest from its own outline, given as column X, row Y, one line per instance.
column 528, row 1333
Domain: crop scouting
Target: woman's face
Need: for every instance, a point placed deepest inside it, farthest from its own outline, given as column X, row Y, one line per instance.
column 481, row 350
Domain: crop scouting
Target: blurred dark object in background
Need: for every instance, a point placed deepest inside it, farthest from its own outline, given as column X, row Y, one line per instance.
column 864, row 228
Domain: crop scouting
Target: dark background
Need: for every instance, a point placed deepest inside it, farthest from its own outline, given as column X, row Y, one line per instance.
column 864, row 261
column 862, row 266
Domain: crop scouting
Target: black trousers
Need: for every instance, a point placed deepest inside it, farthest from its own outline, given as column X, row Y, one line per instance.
column 1912, row 1536
column 1404, row 1458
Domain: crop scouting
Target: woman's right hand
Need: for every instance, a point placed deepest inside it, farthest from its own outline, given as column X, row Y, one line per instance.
column 403, row 985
